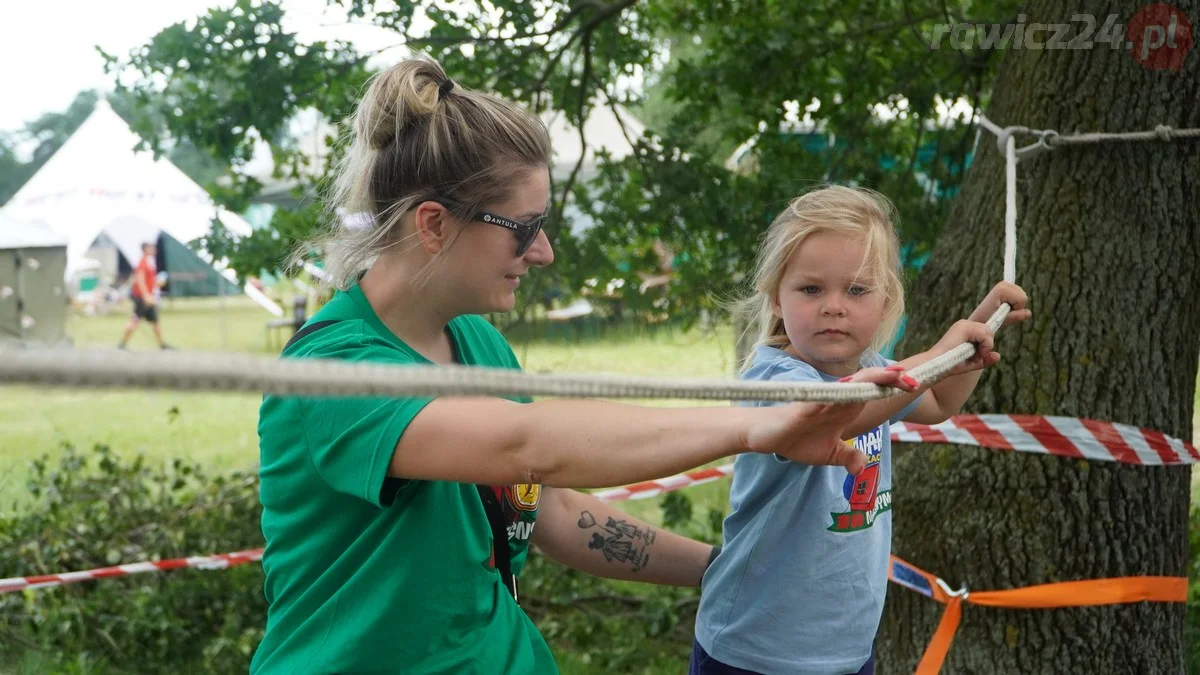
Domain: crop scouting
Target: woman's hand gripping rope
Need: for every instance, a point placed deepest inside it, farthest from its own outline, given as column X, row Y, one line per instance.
column 811, row 433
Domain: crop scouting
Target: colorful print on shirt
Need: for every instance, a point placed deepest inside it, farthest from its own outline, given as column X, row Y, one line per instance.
column 864, row 501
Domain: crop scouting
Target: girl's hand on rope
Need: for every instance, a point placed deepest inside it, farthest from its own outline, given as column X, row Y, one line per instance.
column 969, row 331
column 1003, row 292
column 811, row 433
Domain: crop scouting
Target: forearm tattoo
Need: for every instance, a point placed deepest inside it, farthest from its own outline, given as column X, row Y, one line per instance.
column 619, row 541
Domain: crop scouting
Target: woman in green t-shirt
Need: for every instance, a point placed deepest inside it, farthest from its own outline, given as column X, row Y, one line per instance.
column 379, row 513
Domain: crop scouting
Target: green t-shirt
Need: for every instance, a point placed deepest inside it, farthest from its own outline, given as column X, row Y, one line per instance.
column 367, row 573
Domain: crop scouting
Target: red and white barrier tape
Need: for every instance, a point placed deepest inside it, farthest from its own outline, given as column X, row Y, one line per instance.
column 1062, row 436
column 654, row 488
column 212, row 562
column 636, row 491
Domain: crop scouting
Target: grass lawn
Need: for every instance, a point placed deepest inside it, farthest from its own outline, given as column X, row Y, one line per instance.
column 215, row 429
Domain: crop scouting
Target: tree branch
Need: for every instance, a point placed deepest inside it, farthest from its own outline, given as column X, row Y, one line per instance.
column 603, row 13
column 612, row 105
column 911, row 22
column 912, row 161
column 377, row 52
column 553, row 30
column 606, row 12
column 963, row 63
column 584, row 95
column 585, row 31
column 906, row 23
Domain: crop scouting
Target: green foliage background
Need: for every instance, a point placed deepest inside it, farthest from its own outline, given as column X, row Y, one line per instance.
column 710, row 77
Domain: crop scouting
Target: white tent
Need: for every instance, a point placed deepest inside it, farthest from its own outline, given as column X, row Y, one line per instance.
column 21, row 234
column 97, row 184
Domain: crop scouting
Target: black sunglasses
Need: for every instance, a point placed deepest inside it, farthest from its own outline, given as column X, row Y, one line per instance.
column 526, row 233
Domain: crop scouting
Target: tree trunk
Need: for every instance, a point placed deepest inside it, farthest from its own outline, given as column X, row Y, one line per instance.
column 1108, row 246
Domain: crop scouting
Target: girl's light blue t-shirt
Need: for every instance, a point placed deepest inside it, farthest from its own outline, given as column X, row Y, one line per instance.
column 801, row 578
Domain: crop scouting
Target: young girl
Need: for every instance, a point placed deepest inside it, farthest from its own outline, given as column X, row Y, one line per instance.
column 798, row 586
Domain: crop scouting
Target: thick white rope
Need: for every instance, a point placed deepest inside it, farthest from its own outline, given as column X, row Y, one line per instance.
column 316, row 377
column 991, row 126
column 1162, row 132
column 1047, row 140
column 1005, row 139
column 1010, row 210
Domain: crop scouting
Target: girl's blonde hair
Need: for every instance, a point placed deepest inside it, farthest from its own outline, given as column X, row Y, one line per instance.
column 414, row 136
column 858, row 213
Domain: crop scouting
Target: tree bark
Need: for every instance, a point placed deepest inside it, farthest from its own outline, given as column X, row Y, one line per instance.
column 1108, row 251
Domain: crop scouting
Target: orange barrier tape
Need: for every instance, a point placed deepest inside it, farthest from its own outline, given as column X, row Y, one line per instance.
column 1064, row 594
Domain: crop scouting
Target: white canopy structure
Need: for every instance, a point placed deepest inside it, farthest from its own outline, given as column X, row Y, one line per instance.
column 98, row 184
column 20, row 234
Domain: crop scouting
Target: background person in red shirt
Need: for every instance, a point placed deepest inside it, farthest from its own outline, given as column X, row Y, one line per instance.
column 145, row 296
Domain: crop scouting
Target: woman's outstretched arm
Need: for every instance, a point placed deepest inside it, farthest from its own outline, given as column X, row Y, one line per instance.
column 568, row 443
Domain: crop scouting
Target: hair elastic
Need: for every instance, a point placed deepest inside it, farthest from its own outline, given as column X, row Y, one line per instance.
column 444, row 88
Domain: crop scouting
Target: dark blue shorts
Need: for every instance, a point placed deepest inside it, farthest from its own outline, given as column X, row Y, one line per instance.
column 703, row 664
column 142, row 310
